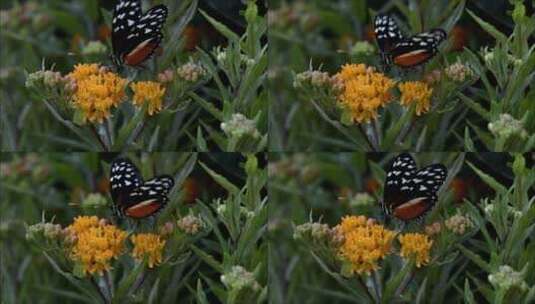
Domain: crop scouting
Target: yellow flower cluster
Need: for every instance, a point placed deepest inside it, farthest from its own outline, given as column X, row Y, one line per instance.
column 97, row 243
column 416, row 92
column 364, row 243
column 148, row 245
column 416, row 245
column 150, row 92
column 97, row 91
column 365, row 91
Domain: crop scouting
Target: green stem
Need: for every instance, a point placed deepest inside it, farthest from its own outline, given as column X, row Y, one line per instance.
column 95, row 132
column 365, row 135
column 102, row 295
column 359, row 278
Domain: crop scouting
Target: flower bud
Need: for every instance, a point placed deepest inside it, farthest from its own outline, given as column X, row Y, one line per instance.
column 190, row 224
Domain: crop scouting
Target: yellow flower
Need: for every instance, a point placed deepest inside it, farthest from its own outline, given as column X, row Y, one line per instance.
column 97, row 91
column 416, row 92
column 148, row 91
column 83, row 70
column 364, row 243
column 364, row 91
column 97, row 243
column 416, row 245
column 82, row 223
column 150, row 245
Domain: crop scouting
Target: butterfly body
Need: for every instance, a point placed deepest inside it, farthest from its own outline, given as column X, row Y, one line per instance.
column 134, row 197
column 410, row 193
column 402, row 51
column 136, row 36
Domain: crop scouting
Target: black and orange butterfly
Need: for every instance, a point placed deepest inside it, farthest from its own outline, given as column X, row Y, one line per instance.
column 136, row 36
column 134, row 197
column 401, row 51
column 409, row 193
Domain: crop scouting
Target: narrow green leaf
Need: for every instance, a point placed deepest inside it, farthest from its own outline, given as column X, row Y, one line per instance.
column 489, row 28
column 220, row 27
column 489, row 180
column 221, row 180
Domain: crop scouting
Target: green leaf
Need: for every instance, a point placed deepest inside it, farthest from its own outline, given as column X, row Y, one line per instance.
column 489, row 180
column 468, row 143
column 73, row 280
column 468, row 295
column 394, row 284
column 201, row 142
column 489, row 28
column 128, row 132
column 476, row 258
column 201, row 296
column 221, row 180
column 208, row 259
column 220, row 27
column 125, row 286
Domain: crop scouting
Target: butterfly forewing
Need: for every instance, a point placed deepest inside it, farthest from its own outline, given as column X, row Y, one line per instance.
column 387, row 34
column 396, row 189
column 124, row 177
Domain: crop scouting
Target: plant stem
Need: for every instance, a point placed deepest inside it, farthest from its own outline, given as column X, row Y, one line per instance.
column 377, row 284
column 365, row 135
column 407, row 132
column 139, row 281
column 109, row 283
column 102, row 295
column 366, row 289
column 405, row 283
column 95, row 132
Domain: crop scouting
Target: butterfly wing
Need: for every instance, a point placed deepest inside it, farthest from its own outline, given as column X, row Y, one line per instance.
column 387, row 34
column 145, row 36
column 396, row 189
column 125, row 15
column 124, row 178
column 421, row 192
column 417, row 49
column 150, row 197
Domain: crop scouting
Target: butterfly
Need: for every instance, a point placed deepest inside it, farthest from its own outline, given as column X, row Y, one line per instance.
column 135, row 36
column 402, row 51
column 409, row 193
column 134, row 197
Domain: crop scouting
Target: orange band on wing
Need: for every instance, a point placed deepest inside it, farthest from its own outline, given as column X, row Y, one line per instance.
column 143, row 209
column 140, row 53
column 412, row 58
column 412, row 209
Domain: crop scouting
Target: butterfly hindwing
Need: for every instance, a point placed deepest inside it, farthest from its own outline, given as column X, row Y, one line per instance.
column 135, row 36
column 402, row 51
column 150, row 197
column 417, row 49
column 410, row 193
column 134, row 197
